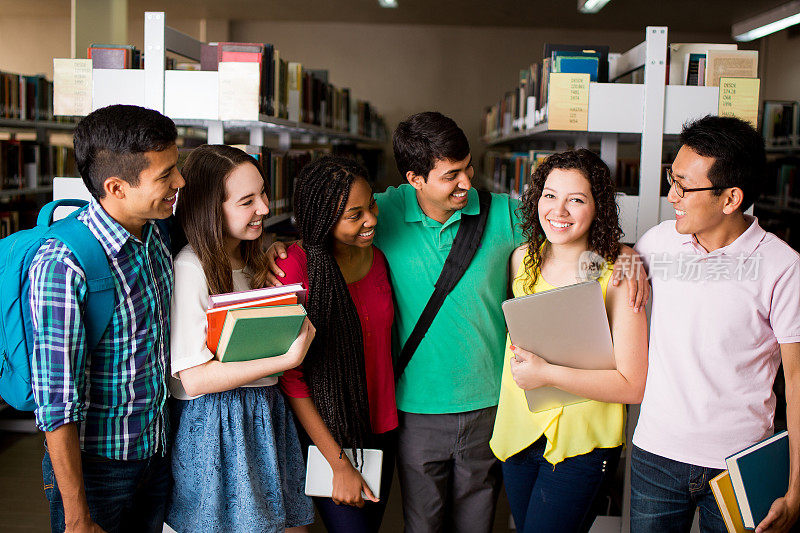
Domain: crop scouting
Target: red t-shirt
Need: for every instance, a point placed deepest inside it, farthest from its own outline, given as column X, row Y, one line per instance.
column 372, row 296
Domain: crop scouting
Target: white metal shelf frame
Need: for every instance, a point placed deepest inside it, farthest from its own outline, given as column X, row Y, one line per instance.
column 191, row 98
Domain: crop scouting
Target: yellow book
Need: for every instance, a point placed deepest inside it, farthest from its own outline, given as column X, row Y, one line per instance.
column 726, row 500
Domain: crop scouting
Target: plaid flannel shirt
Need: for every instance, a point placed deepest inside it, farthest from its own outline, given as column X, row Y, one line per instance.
column 117, row 392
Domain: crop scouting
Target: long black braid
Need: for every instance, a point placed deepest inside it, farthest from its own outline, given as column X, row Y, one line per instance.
column 334, row 365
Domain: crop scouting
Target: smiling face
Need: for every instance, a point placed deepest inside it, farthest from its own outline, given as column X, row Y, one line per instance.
column 155, row 194
column 566, row 207
column 699, row 211
column 245, row 204
column 356, row 226
column 445, row 190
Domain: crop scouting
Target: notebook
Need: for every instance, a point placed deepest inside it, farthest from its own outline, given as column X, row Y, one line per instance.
column 726, row 501
column 760, row 475
column 319, row 475
column 536, row 323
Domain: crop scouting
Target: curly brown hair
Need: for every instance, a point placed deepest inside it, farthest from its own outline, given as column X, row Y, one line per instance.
column 605, row 231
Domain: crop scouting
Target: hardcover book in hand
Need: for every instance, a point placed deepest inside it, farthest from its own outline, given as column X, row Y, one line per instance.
column 216, row 316
column 760, row 475
column 259, row 332
column 726, row 501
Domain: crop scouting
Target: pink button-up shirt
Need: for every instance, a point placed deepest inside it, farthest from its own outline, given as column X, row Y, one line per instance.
column 716, row 325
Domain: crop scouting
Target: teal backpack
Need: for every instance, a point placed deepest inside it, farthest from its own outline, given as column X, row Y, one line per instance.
column 16, row 327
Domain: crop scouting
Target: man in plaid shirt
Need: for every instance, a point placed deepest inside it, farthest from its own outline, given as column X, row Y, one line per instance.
column 103, row 410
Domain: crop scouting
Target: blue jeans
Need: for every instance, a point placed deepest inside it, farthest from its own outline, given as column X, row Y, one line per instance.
column 122, row 495
column 665, row 494
column 546, row 497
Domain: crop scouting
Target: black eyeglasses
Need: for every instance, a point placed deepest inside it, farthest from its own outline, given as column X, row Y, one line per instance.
column 682, row 190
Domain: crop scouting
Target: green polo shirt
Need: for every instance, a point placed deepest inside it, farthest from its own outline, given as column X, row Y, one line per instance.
column 458, row 364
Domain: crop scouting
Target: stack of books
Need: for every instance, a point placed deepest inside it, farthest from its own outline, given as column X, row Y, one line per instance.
column 705, row 63
column 248, row 325
column 288, row 90
column 755, row 478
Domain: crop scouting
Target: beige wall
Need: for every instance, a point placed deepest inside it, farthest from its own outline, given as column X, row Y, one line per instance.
column 29, row 44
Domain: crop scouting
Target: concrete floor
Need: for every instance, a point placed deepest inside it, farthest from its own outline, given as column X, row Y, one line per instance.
column 25, row 508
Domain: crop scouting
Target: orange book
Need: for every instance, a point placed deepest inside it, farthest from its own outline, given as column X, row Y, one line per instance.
column 216, row 317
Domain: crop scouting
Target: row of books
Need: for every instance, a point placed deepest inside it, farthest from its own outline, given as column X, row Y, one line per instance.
column 291, row 91
column 282, row 168
column 755, row 478
column 25, row 97
column 782, row 174
column 9, row 223
column 508, row 172
column 780, row 122
column 248, row 325
column 28, row 164
column 280, row 171
column 526, row 106
column 705, row 63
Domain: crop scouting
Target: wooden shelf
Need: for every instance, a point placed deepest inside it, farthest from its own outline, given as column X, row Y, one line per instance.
column 272, row 125
column 271, row 221
column 8, row 193
column 35, row 124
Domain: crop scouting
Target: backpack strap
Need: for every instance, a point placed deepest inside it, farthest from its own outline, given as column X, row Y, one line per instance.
column 465, row 244
column 94, row 262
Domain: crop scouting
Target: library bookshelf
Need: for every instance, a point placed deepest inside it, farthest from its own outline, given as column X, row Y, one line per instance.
column 32, row 153
column 192, row 99
column 627, row 112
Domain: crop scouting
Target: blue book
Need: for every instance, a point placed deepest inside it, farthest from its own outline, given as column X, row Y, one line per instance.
column 578, row 64
column 760, row 475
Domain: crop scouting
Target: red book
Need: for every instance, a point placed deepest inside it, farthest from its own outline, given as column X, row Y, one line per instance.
column 216, row 317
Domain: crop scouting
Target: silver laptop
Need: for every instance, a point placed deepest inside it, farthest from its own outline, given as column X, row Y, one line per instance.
column 565, row 326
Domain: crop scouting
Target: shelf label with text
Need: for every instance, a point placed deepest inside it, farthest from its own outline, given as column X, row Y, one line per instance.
column 738, row 97
column 568, row 102
column 238, row 90
column 72, row 87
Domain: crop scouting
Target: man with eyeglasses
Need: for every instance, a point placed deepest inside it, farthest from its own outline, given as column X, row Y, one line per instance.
column 726, row 313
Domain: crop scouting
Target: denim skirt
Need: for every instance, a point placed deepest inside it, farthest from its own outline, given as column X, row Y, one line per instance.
column 237, row 464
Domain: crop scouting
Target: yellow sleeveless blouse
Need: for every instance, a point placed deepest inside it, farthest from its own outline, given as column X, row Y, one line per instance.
column 571, row 429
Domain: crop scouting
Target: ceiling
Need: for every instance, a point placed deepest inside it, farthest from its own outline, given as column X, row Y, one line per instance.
column 678, row 15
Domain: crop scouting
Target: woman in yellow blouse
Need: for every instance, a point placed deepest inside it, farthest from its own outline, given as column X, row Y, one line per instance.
column 555, row 461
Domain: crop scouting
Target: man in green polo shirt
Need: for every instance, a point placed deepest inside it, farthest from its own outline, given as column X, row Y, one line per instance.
column 447, row 396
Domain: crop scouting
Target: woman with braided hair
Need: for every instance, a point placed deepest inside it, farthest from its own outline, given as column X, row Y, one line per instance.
column 343, row 395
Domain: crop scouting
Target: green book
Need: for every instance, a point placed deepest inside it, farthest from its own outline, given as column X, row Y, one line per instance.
column 257, row 332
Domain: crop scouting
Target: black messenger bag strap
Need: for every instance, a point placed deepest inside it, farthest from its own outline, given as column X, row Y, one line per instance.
column 463, row 250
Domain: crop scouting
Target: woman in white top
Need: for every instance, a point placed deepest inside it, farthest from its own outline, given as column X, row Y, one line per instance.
column 236, row 459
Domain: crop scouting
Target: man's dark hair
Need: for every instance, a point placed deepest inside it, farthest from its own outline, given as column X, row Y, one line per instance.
column 425, row 138
column 737, row 149
column 112, row 141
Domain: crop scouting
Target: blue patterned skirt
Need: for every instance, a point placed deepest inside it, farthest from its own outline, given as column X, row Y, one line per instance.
column 237, row 464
